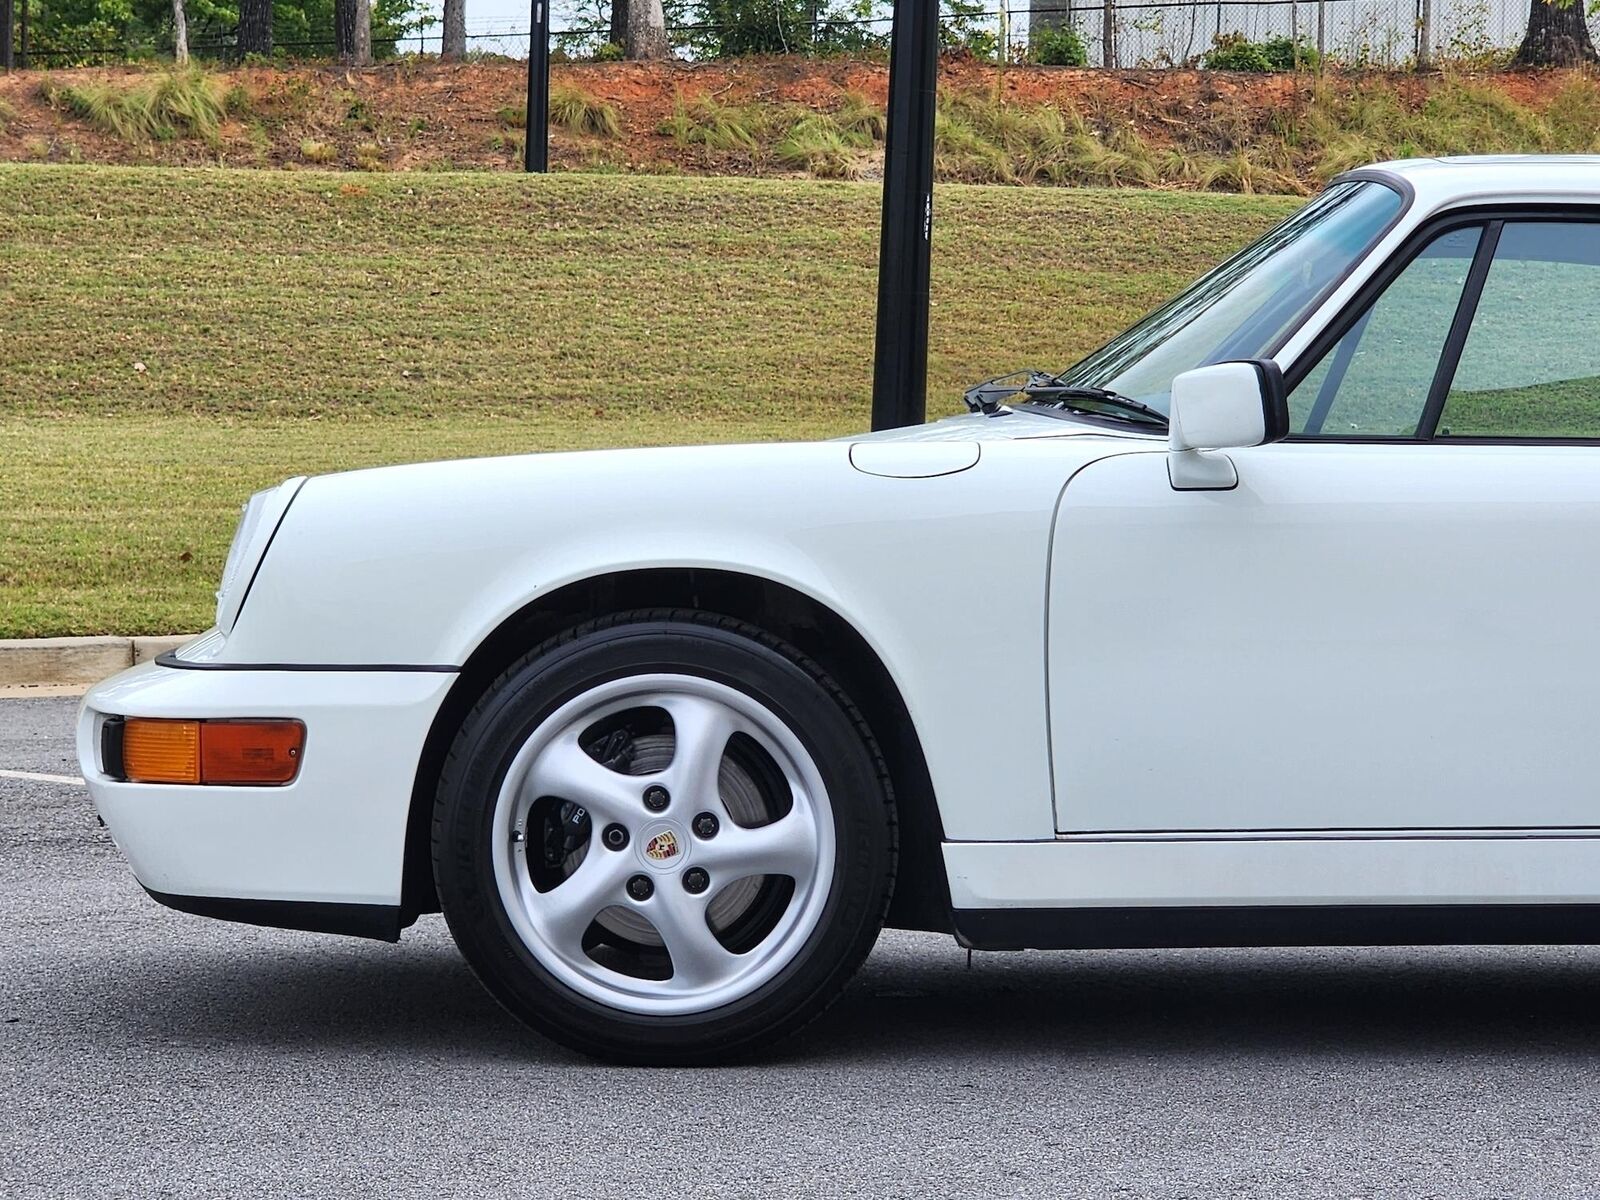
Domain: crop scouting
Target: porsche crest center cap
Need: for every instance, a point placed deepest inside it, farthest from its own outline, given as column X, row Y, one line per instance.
column 663, row 847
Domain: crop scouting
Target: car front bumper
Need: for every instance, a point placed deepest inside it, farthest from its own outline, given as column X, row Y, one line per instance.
column 323, row 852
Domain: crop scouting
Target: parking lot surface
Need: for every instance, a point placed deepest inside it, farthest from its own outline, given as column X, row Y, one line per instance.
column 148, row 1053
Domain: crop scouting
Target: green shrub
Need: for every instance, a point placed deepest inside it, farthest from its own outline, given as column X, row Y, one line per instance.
column 313, row 151
column 609, row 52
column 576, row 111
column 1057, row 48
column 159, row 108
column 817, row 144
column 513, row 116
column 1235, row 52
column 717, row 126
column 857, row 114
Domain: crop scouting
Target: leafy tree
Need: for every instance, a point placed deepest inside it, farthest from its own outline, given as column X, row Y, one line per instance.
column 756, row 27
column 962, row 26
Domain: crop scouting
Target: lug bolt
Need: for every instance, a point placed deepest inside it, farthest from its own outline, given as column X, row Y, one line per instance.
column 695, row 880
column 640, row 887
column 705, row 826
column 615, row 837
column 656, row 797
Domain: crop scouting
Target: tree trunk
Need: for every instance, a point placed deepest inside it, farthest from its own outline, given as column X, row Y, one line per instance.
column 362, row 51
column 255, row 27
column 6, row 18
column 180, row 34
column 352, row 31
column 454, row 46
column 619, row 22
column 1558, row 36
column 646, row 34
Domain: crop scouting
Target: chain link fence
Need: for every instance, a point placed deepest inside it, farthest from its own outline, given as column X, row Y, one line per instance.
column 1115, row 33
column 1167, row 33
column 1357, row 33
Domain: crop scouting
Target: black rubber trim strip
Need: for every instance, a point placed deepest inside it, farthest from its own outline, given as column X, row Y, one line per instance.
column 1286, row 925
column 171, row 659
column 1460, row 325
column 1274, row 400
column 271, row 537
column 382, row 922
column 111, row 759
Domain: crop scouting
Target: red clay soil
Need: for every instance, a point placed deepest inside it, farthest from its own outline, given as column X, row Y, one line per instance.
column 421, row 114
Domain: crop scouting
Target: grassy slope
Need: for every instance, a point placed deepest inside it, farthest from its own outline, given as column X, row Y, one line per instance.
column 301, row 323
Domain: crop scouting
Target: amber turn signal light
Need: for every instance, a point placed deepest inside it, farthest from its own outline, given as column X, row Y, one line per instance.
column 161, row 751
column 211, row 752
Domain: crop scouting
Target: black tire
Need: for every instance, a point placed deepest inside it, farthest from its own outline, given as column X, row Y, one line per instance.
column 734, row 654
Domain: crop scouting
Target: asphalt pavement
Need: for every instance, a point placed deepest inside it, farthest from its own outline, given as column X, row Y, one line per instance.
column 148, row 1053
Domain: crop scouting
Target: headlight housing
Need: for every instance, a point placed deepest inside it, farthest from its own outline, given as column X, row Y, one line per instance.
column 258, row 522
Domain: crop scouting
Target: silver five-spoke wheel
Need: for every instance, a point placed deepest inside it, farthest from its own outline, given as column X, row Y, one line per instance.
column 664, row 836
column 663, row 844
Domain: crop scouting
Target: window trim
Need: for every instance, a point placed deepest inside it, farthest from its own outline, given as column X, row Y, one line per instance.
column 1408, row 195
column 1444, row 372
column 1492, row 218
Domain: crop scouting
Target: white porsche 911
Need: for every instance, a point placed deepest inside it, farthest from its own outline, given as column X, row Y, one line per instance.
column 1271, row 622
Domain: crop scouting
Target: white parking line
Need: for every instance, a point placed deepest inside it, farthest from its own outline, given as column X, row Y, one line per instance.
column 35, row 777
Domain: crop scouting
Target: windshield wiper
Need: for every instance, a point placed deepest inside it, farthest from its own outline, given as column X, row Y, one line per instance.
column 1040, row 387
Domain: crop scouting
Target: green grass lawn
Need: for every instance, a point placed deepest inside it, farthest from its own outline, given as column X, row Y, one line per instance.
column 174, row 340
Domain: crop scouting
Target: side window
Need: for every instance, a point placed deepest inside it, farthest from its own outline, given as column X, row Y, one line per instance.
column 1374, row 381
column 1531, row 363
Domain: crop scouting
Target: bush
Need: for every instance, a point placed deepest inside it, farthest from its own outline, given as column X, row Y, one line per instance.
column 818, row 145
column 1235, row 52
column 160, row 108
column 858, row 115
column 609, row 52
column 741, row 27
column 578, row 112
column 716, row 126
column 1057, row 48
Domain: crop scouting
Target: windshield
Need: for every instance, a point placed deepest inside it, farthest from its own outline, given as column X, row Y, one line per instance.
column 1241, row 309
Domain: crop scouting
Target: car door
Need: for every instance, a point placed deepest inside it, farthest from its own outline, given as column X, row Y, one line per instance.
column 1391, row 622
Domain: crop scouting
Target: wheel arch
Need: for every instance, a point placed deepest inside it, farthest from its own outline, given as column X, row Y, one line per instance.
column 921, row 896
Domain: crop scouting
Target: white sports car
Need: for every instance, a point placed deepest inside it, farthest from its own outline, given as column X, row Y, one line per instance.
column 1272, row 621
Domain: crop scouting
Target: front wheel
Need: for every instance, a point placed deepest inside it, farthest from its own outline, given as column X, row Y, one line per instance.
column 664, row 837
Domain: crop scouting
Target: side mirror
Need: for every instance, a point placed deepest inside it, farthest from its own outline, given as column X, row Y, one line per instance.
column 1224, row 406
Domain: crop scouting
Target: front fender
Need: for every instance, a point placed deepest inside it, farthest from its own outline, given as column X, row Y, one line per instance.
column 944, row 577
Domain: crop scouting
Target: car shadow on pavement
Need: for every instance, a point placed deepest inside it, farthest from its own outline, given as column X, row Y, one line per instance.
column 916, row 996
column 1309, row 1002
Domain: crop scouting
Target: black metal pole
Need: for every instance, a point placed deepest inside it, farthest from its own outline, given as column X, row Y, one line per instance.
column 536, row 146
column 900, row 367
column 7, row 16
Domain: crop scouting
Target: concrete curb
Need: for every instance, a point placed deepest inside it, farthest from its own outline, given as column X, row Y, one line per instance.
column 64, row 661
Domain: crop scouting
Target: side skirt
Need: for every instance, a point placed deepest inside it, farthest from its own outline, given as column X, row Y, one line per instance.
column 1288, row 925
column 382, row 922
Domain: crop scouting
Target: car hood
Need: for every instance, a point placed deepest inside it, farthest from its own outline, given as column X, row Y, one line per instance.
column 1005, row 425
